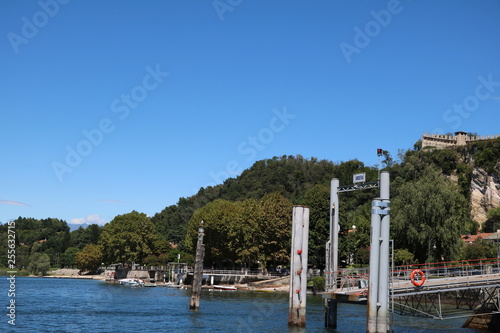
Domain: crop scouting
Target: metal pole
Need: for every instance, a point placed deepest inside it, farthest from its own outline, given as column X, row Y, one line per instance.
column 334, row 232
column 194, row 303
column 378, row 297
column 383, row 293
column 371, row 324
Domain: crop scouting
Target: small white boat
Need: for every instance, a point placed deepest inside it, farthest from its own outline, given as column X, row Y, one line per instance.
column 217, row 287
column 132, row 282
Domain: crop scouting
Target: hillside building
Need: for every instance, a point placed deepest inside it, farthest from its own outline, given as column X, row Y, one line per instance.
column 460, row 138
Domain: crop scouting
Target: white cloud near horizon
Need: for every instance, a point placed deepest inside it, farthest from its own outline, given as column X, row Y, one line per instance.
column 90, row 219
column 13, row 203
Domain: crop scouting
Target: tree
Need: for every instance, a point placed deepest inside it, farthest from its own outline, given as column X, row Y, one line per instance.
column 479, row 249
column 404, row 257
column 68, row 258
column 247, row 233
column 276, row 226
column 219, row 219
column 317, row 199
column 39, row 263
column 90, row 258
column 128, row 238
column 84, row 236
column 492, row 224
column 428, row 216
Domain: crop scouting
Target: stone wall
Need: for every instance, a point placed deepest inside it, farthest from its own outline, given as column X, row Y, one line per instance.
column 459, row 139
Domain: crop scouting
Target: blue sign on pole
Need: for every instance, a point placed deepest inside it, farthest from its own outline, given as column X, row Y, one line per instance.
column 359, row 178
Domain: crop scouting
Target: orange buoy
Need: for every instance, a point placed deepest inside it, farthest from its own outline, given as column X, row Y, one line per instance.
column 422, row 278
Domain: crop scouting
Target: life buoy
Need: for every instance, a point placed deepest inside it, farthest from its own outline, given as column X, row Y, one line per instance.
column 422, row 278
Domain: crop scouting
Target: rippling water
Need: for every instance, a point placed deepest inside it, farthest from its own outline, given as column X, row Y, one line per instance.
column 65, row 305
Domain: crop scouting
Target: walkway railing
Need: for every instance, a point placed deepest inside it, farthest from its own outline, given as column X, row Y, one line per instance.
column 357, row 278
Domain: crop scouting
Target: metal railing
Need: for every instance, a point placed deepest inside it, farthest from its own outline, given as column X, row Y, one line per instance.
column 357, row 278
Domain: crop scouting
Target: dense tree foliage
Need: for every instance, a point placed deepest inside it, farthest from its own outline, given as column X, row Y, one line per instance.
column 39, row 264
column 68, row 258
column 49, row 236
column 248, row 217
column 429, row 215
column 492, row 224
column 84, row 236
column 479, row 249
column 487, row 154
column 317, row 198
column 128, row 238
column 90, row 258
column 250, row 233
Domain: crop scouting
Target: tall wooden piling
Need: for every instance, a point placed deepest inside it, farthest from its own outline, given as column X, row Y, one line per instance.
column 194, row 302
column 298, row 266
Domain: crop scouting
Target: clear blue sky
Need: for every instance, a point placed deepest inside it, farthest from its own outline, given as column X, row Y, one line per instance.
column 114, row 106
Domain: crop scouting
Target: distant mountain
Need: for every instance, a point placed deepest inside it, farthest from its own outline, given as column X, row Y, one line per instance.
column 73, row 227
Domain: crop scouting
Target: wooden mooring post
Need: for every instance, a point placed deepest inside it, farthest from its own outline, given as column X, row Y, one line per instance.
column 194, row 302
column 298, row 266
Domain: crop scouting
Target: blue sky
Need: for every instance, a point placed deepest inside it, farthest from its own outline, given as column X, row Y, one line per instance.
column 114, row 106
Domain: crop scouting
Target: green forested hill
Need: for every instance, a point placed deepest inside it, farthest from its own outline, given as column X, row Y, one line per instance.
column 247, row 218
column 430, row 192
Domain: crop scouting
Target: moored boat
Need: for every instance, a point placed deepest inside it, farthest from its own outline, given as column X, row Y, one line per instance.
column 132, row 282
column 218, row 287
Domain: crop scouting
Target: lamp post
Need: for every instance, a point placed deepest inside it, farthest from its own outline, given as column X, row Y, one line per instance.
column 194, row 303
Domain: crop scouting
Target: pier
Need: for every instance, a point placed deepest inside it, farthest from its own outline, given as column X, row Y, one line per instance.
column 451, row 289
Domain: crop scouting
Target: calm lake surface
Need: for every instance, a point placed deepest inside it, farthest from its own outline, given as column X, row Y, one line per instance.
column 66, row 305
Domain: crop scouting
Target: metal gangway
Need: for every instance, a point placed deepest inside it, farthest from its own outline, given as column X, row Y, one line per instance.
column 450, row 289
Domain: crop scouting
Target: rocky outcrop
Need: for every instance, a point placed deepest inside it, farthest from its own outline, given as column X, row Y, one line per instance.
column 485, row 194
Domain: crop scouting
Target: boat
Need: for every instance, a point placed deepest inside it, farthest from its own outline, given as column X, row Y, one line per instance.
column 132, row 282
column 150, row 284
column 218, row 287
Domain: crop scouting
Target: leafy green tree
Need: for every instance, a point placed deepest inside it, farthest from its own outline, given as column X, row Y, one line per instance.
column 276, row 227
column 39, row 263
column 128, row 238
column 479, row 249
column 492, row 224
column 404, row 257
column 83, row 236
column 487, row 155
column 248, row 233
column 317, row 198
column 219, row 219
column 245, row 233
column 90, row 258
column 355, row 234
column 68, row 258
column 170, row 222
column 428, row 216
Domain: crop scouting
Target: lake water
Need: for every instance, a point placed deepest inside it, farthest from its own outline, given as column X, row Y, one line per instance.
column 66, row 305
